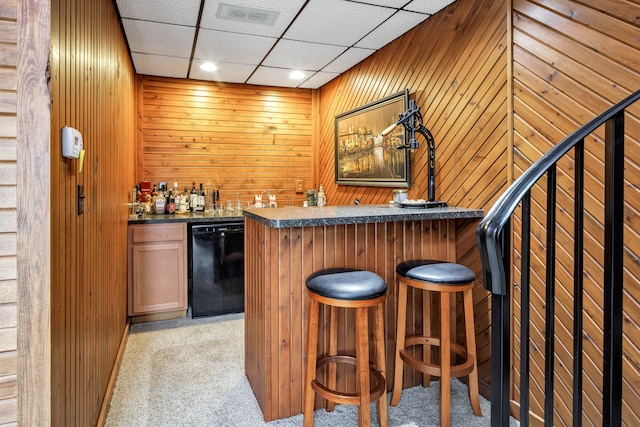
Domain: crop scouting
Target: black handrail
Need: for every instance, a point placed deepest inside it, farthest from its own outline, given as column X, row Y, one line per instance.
column 495, row 220
column 494, row 241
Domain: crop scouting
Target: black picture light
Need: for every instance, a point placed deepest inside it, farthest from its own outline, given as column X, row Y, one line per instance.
column 412, row 121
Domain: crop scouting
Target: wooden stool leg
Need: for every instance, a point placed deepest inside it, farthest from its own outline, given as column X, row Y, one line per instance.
column 400, row 334
column 310, row 370
column 333, row 350
column 426, row 332
column 381, row 404
column 362, row 366
column 471, row 351
column 445, row 360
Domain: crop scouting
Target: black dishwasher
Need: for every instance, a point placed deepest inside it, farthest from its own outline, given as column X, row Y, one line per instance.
column 216, row 268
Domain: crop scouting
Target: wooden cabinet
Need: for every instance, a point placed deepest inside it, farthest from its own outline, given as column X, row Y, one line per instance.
column 157, row 268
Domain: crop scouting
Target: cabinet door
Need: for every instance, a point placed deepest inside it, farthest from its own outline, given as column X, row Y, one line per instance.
column 157, row 278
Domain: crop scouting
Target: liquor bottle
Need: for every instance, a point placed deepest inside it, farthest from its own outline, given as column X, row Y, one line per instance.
column 160, row 204
column 193, row 198
column 322, row 198
column 201, row 199
column 171, row 204
column 186, row 198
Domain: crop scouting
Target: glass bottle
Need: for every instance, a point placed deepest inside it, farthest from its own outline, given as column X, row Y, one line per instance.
column 186, row 199
column 201, row 199
column 171, row 203
column 322, row 198
column 160, row 204
column 193, row 198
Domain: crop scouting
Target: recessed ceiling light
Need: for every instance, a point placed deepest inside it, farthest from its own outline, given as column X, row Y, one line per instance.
column 208, row 66
column 296, row 75
column 246, row 14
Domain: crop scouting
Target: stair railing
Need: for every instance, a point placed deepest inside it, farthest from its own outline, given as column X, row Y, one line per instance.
column 495, row 244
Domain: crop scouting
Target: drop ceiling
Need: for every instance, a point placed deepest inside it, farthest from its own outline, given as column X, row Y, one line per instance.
column 261, row 41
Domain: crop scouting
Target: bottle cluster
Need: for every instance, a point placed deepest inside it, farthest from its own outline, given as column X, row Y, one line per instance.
column 159, row 199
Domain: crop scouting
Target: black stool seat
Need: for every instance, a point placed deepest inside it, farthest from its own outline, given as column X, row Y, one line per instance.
column 446, row 273
column 346, row 284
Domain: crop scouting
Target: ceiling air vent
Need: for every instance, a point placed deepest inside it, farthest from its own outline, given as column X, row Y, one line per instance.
column 246, row 14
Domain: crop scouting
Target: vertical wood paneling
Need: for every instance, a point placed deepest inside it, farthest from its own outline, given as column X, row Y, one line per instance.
column 8, row 214
column 256, row 322
column 240, row 139
column 571, row 61
column 275, row 314
column 92, row 90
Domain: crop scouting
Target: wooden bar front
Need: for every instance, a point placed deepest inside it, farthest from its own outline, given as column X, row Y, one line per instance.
column 277, row 262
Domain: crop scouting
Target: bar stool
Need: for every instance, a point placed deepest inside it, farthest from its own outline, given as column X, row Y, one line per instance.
column 445, row 278
column 359, row 290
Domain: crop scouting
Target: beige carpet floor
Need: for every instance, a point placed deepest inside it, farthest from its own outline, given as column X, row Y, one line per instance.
column 190, row 372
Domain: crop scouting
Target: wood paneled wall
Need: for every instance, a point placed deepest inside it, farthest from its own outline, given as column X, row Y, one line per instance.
column 241, row 139
column 572, row 61
column 8, row 215
column 93, row 90
column 455, row 67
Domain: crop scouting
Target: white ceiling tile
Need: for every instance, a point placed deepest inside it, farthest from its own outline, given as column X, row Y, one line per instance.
column 389, row 3
column 320, row 35
column 347, row 60
column 427, row 6
column 157, row 65
column 303, row 56
column 272, row 77
column 391, row 29
column 288, row 10
column 237, row 48
column 226, row 72
column 336, row 22
column 159, row 39
column 179, row 12
column 318, row 79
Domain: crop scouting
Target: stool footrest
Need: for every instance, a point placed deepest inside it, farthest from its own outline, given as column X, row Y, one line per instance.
column 376, row 389
column 458, row 370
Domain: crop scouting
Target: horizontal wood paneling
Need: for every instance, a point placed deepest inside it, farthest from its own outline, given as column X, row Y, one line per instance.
column 573, row 60
column 93, row 90
column 8, row 215
column 241, row 139
column 455, row 67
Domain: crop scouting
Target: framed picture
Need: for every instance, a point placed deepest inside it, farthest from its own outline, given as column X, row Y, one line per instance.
column 362, row 155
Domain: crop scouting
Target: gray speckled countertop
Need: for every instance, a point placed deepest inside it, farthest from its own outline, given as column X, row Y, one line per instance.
column 292, row 216
column 200, row 217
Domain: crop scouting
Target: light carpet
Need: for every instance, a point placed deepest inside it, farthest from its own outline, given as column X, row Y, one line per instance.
column 190, row 372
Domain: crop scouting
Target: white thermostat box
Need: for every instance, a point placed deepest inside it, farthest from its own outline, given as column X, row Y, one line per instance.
column 71, row 142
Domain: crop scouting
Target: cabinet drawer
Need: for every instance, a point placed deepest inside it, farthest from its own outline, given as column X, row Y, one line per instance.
column 157, row 233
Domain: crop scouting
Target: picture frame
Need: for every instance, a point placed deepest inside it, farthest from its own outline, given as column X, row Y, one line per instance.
column 362, row 156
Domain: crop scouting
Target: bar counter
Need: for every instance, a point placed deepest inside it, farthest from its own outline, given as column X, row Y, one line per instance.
column 190, row 217
column 285, row 245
